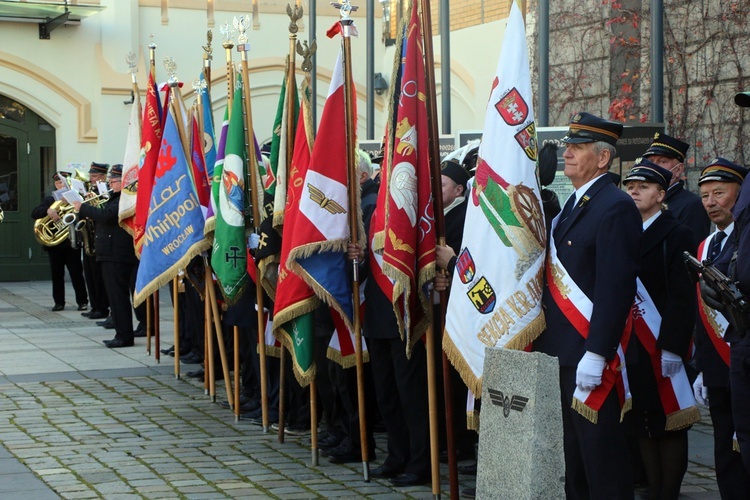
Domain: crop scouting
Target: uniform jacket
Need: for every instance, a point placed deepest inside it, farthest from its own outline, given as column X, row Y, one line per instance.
column 664, row 275
column 113, row 243
column 688, row 209
column 598, row 244
column 454, row 231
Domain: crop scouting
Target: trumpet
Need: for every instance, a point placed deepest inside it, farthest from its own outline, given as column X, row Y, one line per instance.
column 51, row 233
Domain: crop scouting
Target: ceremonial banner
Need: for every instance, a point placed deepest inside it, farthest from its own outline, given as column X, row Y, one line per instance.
column 295, row 300
column 150, row 141
column 229, row 257
column 496, row 290
column 321, row 235
column 409, row 239
column 174, row 230
column 216, row 176
column 198, row 164
column 130, row 165
column 209, row 147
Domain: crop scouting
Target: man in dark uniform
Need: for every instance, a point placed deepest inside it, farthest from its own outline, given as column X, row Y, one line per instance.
column 669, row 152
column 114, row 250
column 740, row 350
column 92, row 270
column 719, row 184
column 62, row 256
column 594, row 260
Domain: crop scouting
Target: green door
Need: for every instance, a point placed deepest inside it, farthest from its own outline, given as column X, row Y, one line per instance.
column 26, row 151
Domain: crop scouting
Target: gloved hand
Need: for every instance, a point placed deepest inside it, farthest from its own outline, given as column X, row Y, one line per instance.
column 252, row 241
column 670, row 363
column 699, row 391
column 589, row 372
column 711, row 297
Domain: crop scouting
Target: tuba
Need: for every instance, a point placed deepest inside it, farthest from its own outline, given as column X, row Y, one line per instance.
column 51, row 233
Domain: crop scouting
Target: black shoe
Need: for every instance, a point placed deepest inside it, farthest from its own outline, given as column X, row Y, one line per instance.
column 86, row 314
column 139, row 333
column 107, row 324
column 97, row 315
column 468, row 470
column 409, row 479
column 349, row 457
column 83, row 307
column 329, row 442
column 117, row 343
column 59, row 307
column 168, row 352
column 197, row 373
column 469, row 492
column 297, row 430
column 385, row 472
column 191, row 359
column 243, row 399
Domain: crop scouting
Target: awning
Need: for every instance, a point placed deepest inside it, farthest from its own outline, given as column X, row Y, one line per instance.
column 47, row 14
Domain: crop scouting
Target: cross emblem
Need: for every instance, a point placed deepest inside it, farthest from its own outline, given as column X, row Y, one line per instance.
column 234, row 256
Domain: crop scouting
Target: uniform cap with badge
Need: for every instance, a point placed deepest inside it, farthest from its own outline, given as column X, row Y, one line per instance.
column 665, row 145
column 646, row 171
column 723, row 170
column 585, row 127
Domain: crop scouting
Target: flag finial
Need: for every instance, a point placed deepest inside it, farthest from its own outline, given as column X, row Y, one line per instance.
column 241, row 24
column 171, row 68
column 345, row 8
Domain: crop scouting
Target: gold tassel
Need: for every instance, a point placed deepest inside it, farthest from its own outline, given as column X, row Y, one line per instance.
column 683, row 418
column 588, row 413
column 472, row 420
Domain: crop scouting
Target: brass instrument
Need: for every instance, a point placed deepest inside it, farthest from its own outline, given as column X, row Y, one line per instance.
column 51, row 233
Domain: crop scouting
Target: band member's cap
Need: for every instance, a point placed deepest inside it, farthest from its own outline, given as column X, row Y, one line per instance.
column 455, row 172
column 723, row 170
column 665, row 145
column 585, row 127
column 115, row 171
column 98, row 168
column 56, row 176
column 647, row 171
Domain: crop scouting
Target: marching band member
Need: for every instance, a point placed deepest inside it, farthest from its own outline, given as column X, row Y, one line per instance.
column 92, row 270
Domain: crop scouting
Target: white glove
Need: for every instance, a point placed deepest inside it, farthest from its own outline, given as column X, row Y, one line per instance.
column 700, row 391
column 252, row 241
column 589, row 372
column 670, row 363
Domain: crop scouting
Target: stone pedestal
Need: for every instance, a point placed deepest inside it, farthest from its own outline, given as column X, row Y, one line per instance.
column 521, row 431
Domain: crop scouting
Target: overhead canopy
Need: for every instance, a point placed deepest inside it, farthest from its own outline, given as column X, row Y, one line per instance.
column 48, row 15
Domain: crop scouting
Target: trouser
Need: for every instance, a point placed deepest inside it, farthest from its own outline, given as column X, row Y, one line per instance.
column 59, row 258
column 739, row 381
column 117, row 276
column 92, row 271
column 733, row 480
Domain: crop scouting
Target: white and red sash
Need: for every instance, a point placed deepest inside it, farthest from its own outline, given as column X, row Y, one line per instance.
column 714, row 322
column 577, row 308
column 675, row 392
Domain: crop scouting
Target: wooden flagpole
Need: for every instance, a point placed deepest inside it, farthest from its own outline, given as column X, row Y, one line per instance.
column 440, row 233
column 243, row 47
column 150, row 323
column 351, row 134
column 176, row 320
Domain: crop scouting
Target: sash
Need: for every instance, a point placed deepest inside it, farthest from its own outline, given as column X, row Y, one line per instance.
column 713, row 321
column 675, row 393
column 577, row 308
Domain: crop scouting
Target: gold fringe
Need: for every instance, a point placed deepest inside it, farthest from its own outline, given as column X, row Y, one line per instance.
column 266, row 267
column 271, row 350
column 210, row 225
column 683, row 418
column 304, row 377
column 171, row 272
column 462, row 367
column 472, row 420
column 346, row 361
column 735, row 445
column 626, row 407
column 529, row 334
column 589, row 414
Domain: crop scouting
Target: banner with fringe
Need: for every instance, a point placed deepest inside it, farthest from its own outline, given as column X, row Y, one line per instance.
column 496, row 289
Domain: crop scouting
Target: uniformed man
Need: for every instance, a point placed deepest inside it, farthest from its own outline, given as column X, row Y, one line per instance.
column 740, row 351
column 594, row 259
column 92, row 270
column 719, row 186
column 115, row 252
column 669, row 152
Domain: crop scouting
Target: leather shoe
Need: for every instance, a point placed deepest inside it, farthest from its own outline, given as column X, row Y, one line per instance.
column 349, row 457
column 468, row 469
column 139, row 333
column 83, row 307
column 385, row 472
column 168, row 352
column 107, row 324
column 59, row 307
column 409, row 479
column 97, row 315
column 191, row 359
column 117, row 343
column 200, row 373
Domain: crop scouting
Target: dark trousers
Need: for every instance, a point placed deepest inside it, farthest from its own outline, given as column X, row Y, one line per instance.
column 401, row 392
column 597, row 463
column 345, row 381
column 739, row 381
column 92, row 271
column 117, row 276
column 731, row 476
column 140, row 311
column 61, row 257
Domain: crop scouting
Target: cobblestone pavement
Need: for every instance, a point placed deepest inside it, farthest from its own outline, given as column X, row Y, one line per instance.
column 78, row 420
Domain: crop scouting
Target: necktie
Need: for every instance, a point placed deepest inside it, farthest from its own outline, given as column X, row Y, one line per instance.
column 568, row 208
column 716, row 245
